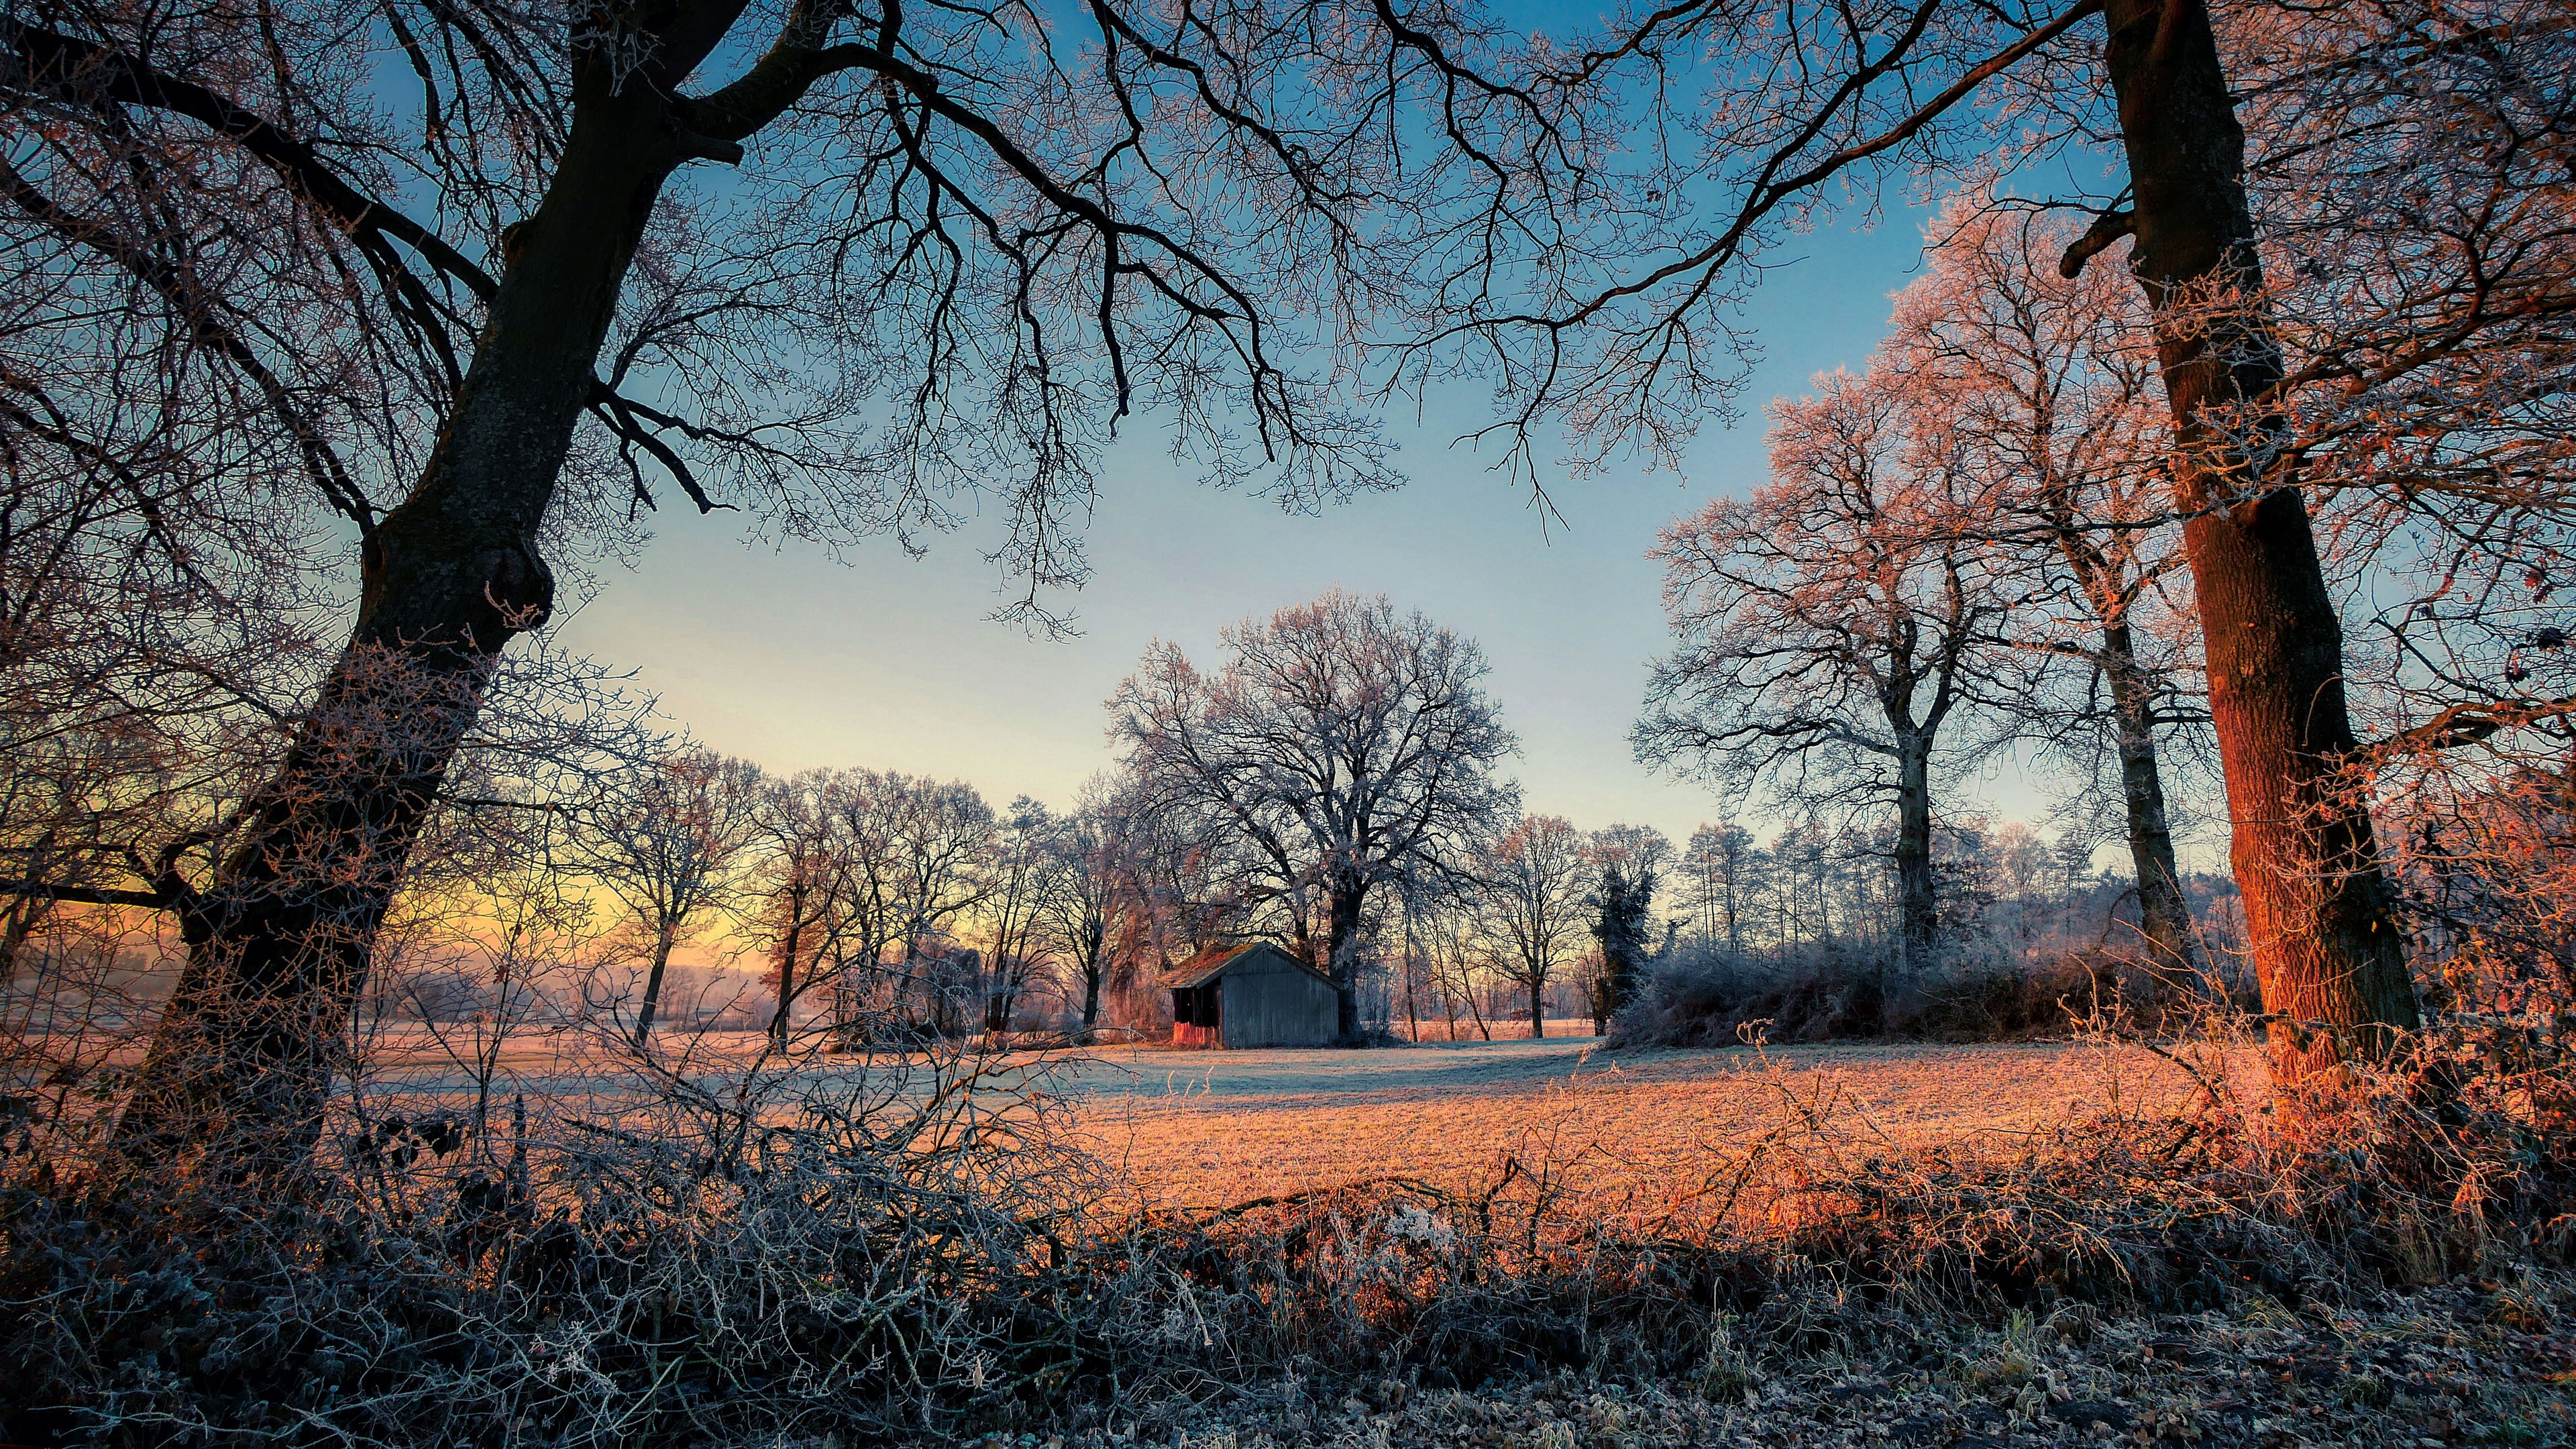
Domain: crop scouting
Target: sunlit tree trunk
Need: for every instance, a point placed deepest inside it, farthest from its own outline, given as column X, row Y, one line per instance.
column 2317, row 907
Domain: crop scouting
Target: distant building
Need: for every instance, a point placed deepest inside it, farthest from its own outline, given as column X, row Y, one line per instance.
column 1251, row 996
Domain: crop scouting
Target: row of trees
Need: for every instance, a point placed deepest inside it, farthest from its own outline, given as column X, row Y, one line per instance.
column 1963, row 548
column 1335, row 779
column 1548, row 913
column 1332, row 785
column 1337, row 774
column 887, row 907
column 2005, row 896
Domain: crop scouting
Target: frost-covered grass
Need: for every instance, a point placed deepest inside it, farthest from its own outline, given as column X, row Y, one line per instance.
column 2468, row 1362
column 1828, row 1246
column 1220, row 1127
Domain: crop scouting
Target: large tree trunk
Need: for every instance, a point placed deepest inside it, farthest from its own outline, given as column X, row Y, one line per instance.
column 1341, row 946
column 1917, row 903
column 2316, row 904
column 279, row 939
column 2164, row 917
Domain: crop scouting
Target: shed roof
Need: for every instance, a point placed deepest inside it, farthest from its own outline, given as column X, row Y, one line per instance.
column 1212, row 963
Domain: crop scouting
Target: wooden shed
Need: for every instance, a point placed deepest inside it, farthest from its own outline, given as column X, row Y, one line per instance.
column 1251, row 996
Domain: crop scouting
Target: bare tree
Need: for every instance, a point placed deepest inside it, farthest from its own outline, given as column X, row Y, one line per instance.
column 795, row 874
column 1827, row 632
column 1026, row 857
column 2046, row 382
column 941, row 839
column 1533, row 883
column 864, row 915
column 446, row 263
column 665, row 847
column 1093, row 883
column 1716, row 872
column 2366, row 112
column 1444, row 924
column 1344, row 745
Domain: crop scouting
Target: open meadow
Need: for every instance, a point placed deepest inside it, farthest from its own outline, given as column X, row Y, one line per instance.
column 1626, row 1129
column 1638, row 1127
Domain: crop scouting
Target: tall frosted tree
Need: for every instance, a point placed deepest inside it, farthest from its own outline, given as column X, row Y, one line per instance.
column 1533, row 888
column 1714, row 875
column 2046, row 384
column 666, row 844
column 1827, row 634
column 1093, row 882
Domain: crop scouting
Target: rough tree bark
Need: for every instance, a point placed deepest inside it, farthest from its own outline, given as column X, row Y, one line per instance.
column 2317, row 907
column 278, row 939
column 664, row 939
column 790, row 947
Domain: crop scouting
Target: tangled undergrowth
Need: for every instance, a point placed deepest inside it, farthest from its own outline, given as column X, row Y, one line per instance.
column 2464, row 1363
column 839, row 1260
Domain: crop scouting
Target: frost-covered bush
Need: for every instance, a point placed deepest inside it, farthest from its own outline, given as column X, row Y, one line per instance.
column 780, row 1250
column 1701, row 995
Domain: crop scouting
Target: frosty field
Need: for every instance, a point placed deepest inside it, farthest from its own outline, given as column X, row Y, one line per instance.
column 1211, row 1128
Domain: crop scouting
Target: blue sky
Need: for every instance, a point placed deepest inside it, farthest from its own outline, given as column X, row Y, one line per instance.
column 793, row 660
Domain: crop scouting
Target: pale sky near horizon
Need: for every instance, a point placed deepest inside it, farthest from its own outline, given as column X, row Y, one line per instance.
column 792, row 660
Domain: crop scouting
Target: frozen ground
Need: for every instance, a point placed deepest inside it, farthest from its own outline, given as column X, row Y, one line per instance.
column 1215, row 1127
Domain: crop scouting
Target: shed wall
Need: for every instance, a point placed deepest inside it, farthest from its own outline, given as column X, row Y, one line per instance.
column 1272, row 1002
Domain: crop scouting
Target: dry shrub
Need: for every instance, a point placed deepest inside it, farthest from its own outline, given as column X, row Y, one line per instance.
column 1829, row 1232
column 1701, row 997
column 785, row 1251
